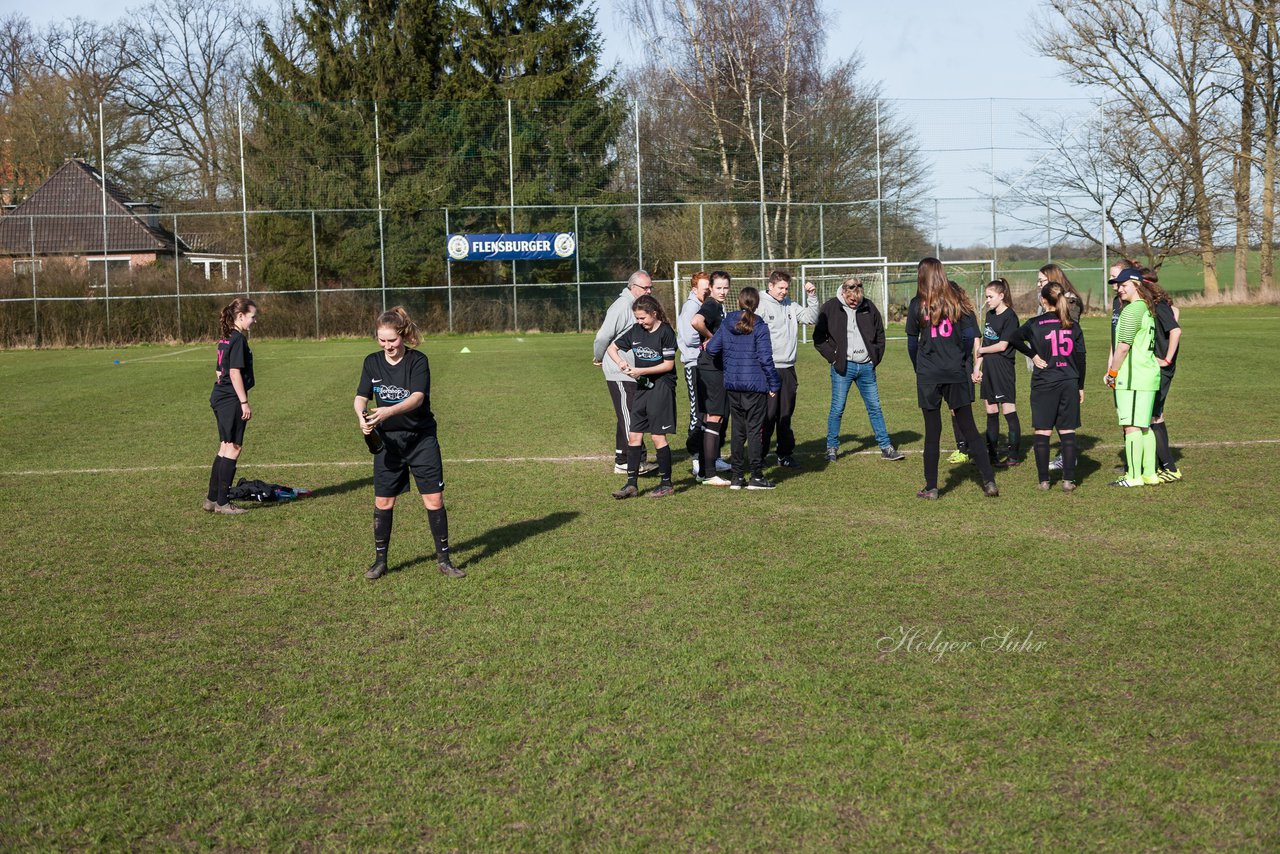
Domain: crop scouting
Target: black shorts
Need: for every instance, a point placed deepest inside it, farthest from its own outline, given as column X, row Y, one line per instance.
column 999, row 384
column 653, row 410
column 405, row 451
column 230, row 424
column 955, row 395
column 712, row 399
column 1057, row 406
column 1166, row 379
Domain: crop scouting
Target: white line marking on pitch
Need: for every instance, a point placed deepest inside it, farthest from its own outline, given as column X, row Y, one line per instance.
column 160, row 356
column 580, row 459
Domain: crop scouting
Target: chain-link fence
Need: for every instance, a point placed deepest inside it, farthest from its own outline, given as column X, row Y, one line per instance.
column 354, row 213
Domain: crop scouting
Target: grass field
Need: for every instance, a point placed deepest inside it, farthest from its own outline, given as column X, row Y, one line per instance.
column 718, row 670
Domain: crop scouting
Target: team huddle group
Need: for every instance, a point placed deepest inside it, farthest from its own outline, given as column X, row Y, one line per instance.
column 739, row 370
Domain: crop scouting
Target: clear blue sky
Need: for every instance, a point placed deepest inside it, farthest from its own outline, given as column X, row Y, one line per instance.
column 917, row 48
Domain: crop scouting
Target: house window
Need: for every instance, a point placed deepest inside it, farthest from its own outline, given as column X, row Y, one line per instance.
column 26, row 266
column 115, row 265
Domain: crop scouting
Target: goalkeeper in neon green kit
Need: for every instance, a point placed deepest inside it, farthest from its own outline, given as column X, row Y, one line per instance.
column 1134, row 373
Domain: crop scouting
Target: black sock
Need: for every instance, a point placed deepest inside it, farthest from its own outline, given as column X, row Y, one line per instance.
column 1069, row 454
column 439, row 522
column 710, row 448
column 1164, row 456
column 1042, row 456
column 993, row 429
column 381, row 532
column 225, row 476
column 634, row 453
column 932, row 449
column 961, row 444
column 664, row 464
column 214, row 477
column 1015, row 434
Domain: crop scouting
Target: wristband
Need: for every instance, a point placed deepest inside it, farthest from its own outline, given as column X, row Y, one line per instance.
column 244, row 403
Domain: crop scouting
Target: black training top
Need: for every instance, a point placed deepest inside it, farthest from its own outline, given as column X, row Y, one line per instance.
column 1000, row 327
column 650, row 350
column 1063, row 349
column 713, row 315
column 1165, row 324
column 941, row 355
column 233, row 352
column 388, row 384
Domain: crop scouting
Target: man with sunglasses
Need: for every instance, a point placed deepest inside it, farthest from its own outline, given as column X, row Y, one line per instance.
column 622, row 387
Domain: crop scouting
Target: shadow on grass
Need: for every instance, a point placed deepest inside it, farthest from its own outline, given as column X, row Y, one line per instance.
column 495, row 541
column 341, row 488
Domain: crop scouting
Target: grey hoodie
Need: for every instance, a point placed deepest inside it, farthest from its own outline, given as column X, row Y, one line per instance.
column 618, row 319
column 781, row 318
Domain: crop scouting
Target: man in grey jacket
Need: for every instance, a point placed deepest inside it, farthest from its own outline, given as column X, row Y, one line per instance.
column 781, row 315
column 622, row 388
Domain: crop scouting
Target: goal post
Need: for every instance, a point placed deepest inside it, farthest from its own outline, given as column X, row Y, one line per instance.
column 750, row 272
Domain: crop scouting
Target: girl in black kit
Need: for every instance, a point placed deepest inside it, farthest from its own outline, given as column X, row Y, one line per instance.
column 230, row 401
column 652, row 342
column 1057, row 390
column 942, row 333
column 398, row 378
column 994, row 371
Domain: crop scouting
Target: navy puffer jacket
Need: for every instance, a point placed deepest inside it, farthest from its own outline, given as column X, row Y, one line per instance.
column 748, row 358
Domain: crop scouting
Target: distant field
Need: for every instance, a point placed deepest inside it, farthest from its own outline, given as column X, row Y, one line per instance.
column 833, row 664
column 1179, row 276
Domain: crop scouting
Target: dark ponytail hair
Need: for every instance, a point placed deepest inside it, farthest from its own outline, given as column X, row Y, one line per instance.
column 1056, row 296
column 748, row 301
column 233, row 309
column 398, row 319
column 649, row 305
column 1002, row 286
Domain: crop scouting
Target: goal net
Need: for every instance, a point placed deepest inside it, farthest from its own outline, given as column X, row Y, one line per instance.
column 751, row 272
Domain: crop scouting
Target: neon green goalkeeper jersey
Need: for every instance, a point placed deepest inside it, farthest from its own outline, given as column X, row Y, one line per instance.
column 1137, row 328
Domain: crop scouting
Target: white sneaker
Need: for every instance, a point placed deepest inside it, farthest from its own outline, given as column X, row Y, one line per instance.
column 697, row 467
column 714, row 481
column 723, row 465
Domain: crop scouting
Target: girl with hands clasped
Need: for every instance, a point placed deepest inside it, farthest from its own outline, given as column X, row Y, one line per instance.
column 994, row 372
column 652, row 342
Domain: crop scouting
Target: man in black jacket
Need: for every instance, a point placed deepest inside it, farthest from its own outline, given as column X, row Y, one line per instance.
column 850, row 336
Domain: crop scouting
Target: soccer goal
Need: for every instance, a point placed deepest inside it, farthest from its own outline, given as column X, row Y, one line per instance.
column 750, row 272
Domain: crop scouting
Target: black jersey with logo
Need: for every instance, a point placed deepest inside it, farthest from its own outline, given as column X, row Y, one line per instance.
column 387, row 384
column 651, row 349
column 233, row 352
column 1000, row 327
column 712, row 313
column 1045, row 336
column 942, row 356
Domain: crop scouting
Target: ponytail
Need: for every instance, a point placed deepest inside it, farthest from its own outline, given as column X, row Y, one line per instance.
column 649, row 305
column 398, row 319
column 1056, row 296
column 1001, row 286
column 232, row 310
column 748, row 301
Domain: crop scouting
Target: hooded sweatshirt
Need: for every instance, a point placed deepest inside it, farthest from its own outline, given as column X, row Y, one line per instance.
column 781, row 317
column 618, row 319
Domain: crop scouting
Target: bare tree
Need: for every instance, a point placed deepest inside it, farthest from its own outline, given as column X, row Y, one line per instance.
column 197, row 52
column 18, row 50
column 1161, row 59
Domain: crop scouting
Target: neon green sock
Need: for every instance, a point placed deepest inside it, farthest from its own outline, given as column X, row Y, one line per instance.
column 1148, row 454
column 1133, row 454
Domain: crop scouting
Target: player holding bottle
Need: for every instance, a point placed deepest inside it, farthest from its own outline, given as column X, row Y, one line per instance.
column 1057, row 389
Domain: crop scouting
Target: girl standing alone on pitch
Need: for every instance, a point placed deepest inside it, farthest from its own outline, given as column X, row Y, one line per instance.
column 230, row 400
column 750, row 379
column 995, row 374
column 942, row 332
column 398, row 379
column 1057, row 389
column 652, row 342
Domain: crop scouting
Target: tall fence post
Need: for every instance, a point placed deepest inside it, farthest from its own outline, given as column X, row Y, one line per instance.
column 879, row 191
column 315, row 271
column 991, row 125
column 511, row 192
column 577, row 264
column 35, row 297
column 635, row 106
column 937, row 231
column 382, row 239
column 702, row 237
column 760, row 170
column 106, row 263
column 448, row 271
column 177, row 275
column 1048, row 232
column 244, row 195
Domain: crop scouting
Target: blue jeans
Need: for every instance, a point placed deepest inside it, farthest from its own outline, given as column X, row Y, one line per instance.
column 865, row 377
